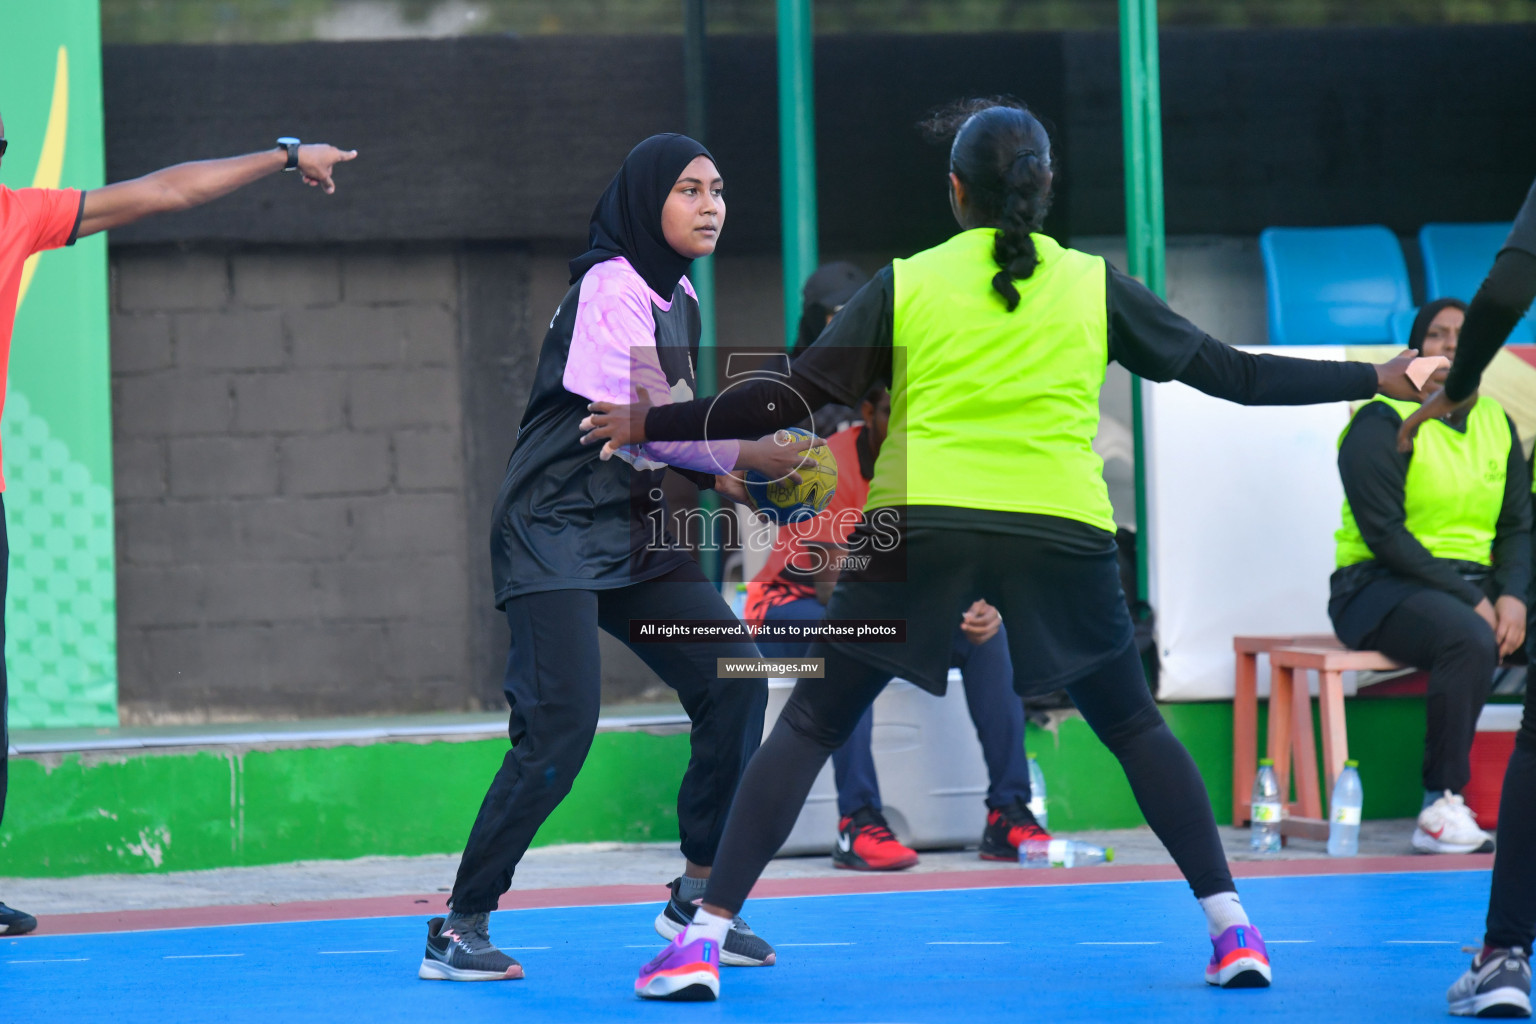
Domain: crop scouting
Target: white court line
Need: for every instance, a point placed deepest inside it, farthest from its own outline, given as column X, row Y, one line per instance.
column 202, row 956
column 787, row 945
column 63, row 960
column 967, row 943
column 354, row 952
column 1119, row 943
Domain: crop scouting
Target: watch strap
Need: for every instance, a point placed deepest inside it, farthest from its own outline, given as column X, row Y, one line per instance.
column 291, row 145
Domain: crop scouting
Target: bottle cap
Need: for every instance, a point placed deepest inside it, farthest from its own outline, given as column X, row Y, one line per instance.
column 1351, row 764
column 1030, row 756
column 1266, row 762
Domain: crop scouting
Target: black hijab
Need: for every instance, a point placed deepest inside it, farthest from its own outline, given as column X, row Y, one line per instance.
column 1426, row 316
column 627, row 219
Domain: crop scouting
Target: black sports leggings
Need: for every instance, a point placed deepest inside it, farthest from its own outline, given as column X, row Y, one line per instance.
column 821, row 713
column 1512, row 906
column 1440, row 633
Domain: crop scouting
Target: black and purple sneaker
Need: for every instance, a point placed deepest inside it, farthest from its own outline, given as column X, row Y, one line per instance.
column 683, row 972
column 1239, row 959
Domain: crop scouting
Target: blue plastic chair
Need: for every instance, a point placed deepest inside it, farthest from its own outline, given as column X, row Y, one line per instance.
column 1333, row 286
column 1457, row 258
column 1402, row 325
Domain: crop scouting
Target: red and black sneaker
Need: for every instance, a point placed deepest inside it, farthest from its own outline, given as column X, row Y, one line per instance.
column 1007, row 827
column 865, row 843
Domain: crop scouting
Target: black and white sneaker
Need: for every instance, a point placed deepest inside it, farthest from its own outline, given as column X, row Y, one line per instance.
column 14, row 922
column 464, row 952
column 742, row 946
column 1496, row 985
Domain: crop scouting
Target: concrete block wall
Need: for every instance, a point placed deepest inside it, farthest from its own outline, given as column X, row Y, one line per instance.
column 308, row 442
column 290, row 483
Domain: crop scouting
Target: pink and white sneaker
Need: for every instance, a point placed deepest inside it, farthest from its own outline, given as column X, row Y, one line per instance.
column 1239, row 959
column 682, row 972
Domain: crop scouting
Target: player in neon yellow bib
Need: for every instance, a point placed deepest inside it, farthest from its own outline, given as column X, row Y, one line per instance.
column 1434, row 561
column 995, row 345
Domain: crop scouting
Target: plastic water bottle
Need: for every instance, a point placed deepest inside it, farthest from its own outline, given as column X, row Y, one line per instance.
column 1344, row 812
column 1265, row 814
column 1037, row 793
column 1061, row 853
column 739, row 600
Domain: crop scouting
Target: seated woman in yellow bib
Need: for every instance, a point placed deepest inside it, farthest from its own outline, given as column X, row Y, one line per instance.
column 1434, row 565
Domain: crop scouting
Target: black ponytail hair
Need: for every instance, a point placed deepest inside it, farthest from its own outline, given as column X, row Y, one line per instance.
column 1002, row 155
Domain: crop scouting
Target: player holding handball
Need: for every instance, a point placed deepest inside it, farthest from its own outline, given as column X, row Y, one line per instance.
column 995, row 345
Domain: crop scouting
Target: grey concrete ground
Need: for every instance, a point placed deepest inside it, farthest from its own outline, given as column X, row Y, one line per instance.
column 544, row 868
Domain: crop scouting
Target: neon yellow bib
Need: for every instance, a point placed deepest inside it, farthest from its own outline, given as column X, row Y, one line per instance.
column 991, row 409
column 1455, row 487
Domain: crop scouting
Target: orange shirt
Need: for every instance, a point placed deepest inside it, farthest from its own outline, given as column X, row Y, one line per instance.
column 769, row 588
column 31, row 220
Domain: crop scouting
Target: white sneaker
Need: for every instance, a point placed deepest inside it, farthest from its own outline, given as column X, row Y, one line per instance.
column 1448, row 826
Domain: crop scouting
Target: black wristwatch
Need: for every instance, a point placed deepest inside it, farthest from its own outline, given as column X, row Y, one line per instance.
column 292, row 146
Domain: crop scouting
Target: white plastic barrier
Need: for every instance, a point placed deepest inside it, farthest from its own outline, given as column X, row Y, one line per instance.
column 933, row 781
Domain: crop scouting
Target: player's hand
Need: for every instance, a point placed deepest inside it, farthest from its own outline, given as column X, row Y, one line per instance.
column 1484, row 609
column 732, row 487
column 980, row 623
column 1509, row 630
column 616, row 425
column 1435, row 407
column 1392, row 377
column 777, row 456
column 317, row 160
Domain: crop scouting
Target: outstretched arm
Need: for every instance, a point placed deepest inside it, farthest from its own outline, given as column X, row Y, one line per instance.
column 1505, row 295
column 1152, row 341
column 184, row 186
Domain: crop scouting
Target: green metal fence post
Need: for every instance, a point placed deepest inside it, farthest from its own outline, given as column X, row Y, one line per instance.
column 1141, row 99
column 797, row 154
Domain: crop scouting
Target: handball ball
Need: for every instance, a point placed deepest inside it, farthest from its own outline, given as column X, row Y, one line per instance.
column 785, row 501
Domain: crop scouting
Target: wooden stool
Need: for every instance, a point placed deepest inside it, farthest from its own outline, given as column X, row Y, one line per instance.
column 1245, row 709
column 1290, row 725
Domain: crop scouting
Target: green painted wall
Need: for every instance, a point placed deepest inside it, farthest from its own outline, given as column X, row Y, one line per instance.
column 60, row 611
column 189, row 811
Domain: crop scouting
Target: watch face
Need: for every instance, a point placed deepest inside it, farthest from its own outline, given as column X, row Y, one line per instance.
column 287, row 140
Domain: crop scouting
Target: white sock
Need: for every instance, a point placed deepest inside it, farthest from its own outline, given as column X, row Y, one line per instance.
column 1222, row 911
column 707, row 926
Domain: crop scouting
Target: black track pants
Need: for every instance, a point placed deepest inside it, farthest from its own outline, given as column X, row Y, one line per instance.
column 1434, row 631
column 553, row 685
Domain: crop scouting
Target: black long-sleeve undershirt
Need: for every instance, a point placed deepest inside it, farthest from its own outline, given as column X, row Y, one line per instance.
column 1505, row 295
column 1375, row 476
column 1145, row 336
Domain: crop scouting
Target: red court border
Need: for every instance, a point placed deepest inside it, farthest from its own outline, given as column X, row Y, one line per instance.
column 607, row 895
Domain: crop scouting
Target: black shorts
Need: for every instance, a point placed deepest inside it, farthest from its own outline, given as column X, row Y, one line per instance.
column 1062, row 602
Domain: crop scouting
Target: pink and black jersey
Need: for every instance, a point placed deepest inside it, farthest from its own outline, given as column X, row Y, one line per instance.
column 566, row 519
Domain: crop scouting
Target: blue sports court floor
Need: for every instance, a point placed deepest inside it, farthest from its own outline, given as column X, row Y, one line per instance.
column 1356, row 948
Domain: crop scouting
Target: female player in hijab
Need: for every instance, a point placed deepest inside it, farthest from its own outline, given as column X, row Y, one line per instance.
column 989, row 479
column 579, row 544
